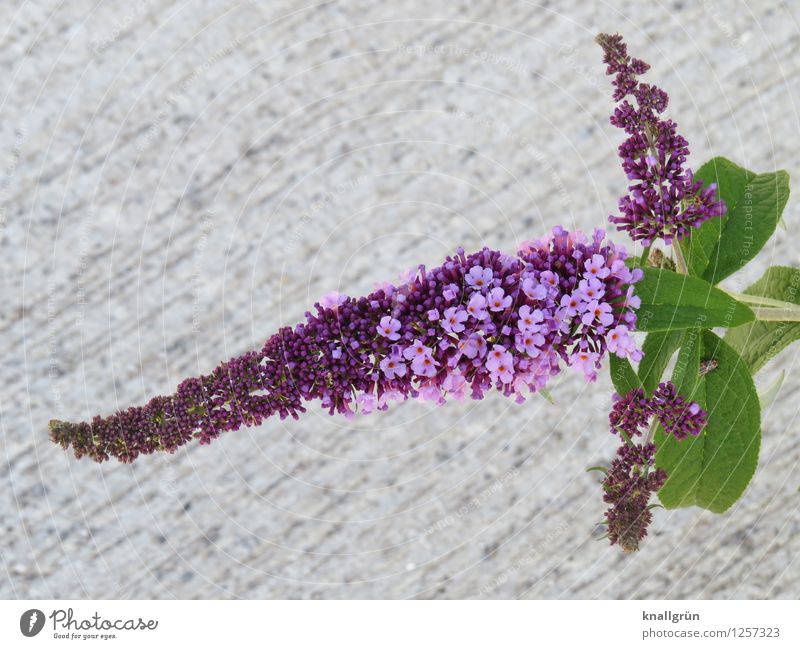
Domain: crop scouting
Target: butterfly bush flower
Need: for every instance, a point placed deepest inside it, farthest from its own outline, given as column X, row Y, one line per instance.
column 389, row 327
column 679, row 417
column 479, row 322
column 454, row 318
column 664, row 200
column 628, row 486
column 477, row 307
column 632, row 478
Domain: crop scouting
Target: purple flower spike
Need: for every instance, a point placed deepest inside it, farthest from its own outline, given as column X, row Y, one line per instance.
column 628, row 486
column 663, row 201
column 632, row 477
column 479, row 322
column 632, row 413
column 677, row 416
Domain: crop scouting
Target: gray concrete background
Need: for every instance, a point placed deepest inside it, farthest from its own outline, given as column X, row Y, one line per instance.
column 179, row 179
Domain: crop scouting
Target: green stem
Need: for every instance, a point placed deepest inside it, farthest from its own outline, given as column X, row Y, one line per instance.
column 757, row 300
column 770, row 314
column 624, row 436
column 651, row 432
column 680, row 260
column 645, row 256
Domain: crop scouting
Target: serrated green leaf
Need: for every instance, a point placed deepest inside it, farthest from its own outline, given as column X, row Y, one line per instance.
column 658, row 348
column 623, row 376
column 754, row 203
column 675, row 301
column 713, row 469
column 758, row 342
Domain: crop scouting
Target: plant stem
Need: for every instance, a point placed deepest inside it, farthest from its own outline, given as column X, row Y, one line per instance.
column 761, row 301
column 651, row 432
column 767, row 309
column 627, row 439
column 680, row 260
column 770, row 314
column 645, row 255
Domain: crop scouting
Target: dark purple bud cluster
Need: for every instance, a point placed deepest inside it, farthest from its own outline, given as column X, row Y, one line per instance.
column 630, row 482
column 631, row 478
column 664, row 200
column 677, row 416
column 631, row 413
column 478, row 322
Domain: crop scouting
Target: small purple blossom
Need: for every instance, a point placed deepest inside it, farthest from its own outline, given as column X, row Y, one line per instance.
column 416, row 350
column 424, row 365
column 621, row 343
column 498, row 356
column 529, row 319
column 571, row 304
column 477, row 307
column 597, row 312
column 533, row 289
column 479, row 344
column 504, row 372
column 498, row 300
column 393, row 367
column 479, row 278
column 586, row 362
column 388, row 328
column 332, row 300
column 366, row 403
column 455, row 385
column 549, row 280
column 631, row 300
column 530, row 343
column 596, row 268
column 590, row 289
column 453, row 321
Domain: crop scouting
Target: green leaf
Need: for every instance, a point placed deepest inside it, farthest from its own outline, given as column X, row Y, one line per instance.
column 754, row 206
column 713, row 469
column 623, row 375
column 675, row 301
column 658, row 348
column 758, row 342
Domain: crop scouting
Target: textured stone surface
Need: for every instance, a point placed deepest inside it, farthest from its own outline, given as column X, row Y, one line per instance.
column 179, row 179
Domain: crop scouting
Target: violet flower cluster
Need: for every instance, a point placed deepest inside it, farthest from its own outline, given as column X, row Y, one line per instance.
column 664, row 200
column 679, row 417
column 629, row 483
column 631, row 478
column 479, row 322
